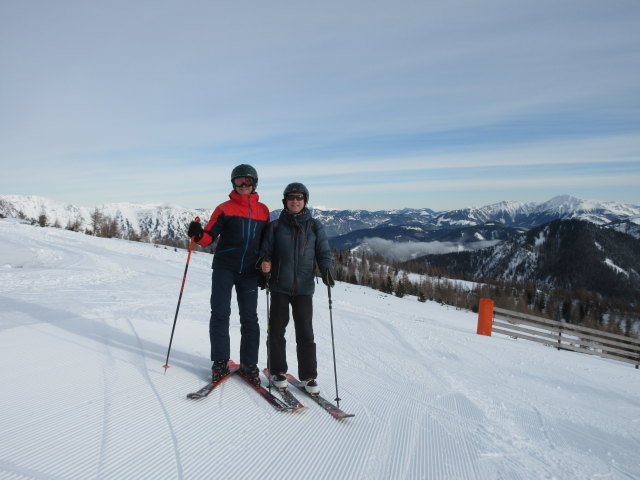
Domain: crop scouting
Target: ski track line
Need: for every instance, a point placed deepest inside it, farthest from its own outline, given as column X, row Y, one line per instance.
column 260, row 400
column 57, row 446
column 22, row 473
column 524, row 427
column 128, row 445
column 371, row 404
column 463, row 411
column 516, row 441
column 143, row 369
column 397, row 421
column 527, row 423
column 230, row 454
column 205, row 423
column 106, row 410
column 451, row 428
column 443, row 443
column 412, row 363
column 575, row 436
column 272, row 427
column 465, row 344
column 362, row 403
column 454, row 412
column 401, row 443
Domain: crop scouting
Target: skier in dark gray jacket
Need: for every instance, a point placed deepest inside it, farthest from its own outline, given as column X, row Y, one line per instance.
column 292, row 246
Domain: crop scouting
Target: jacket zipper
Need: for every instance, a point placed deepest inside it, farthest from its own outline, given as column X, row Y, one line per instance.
column 246, row 244
column 296, row 236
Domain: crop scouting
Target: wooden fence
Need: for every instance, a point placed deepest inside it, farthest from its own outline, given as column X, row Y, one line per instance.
column 565, row 336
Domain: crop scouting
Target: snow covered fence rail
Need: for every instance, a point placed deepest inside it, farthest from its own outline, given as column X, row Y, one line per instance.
column 565, row 336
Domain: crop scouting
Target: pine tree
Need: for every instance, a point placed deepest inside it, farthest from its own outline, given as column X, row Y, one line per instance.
column 75, row 225
column 42, row 218
column 96, row 221
column 388, row 286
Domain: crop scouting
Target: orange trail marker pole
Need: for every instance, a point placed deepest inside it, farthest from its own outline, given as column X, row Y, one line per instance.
column 485, row 317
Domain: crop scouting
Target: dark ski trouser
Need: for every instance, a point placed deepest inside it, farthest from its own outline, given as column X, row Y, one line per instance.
column 302, row 310
column 246, row 285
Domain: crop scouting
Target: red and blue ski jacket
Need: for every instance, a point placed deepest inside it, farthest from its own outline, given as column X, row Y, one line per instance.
column 239, row 223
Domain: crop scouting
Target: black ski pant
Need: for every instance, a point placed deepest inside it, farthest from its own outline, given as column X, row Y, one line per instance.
column 302, row 310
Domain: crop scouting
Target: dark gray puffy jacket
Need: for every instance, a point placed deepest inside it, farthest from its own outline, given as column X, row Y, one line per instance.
column 294, row 243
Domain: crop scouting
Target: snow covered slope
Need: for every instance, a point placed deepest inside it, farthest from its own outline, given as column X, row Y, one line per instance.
column 84, row 328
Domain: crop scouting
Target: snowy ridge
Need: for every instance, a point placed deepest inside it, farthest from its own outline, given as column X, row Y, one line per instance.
column 170, row 221
column 528, row 215
column 158, row 220
column 84, row 330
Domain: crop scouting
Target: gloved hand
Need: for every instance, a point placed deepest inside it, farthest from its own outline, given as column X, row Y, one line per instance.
column 263, row 280
column 327, row 278
column 195, row 230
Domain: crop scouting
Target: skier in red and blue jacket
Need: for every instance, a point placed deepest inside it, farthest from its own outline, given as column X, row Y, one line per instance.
column 238, row 224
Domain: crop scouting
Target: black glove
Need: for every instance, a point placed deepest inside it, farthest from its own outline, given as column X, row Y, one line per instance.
column 195, row 230
column 327, row 278
column 263, row 280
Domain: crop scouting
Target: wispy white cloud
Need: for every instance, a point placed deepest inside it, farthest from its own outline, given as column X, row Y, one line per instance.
column 510, row 181
column 593, row 150
column 402, row 251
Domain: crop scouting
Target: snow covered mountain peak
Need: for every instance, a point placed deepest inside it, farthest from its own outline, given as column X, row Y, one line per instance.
column 567, row 205
column 562, row 203
column 165, row 220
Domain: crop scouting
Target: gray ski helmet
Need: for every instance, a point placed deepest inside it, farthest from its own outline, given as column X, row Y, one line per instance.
column 295, row 187
column 245, row 170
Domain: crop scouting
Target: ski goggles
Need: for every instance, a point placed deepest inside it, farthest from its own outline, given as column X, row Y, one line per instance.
column 292, row 197
column 243, row 182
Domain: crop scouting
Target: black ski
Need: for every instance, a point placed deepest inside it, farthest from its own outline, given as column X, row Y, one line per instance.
column 274, row 401
column 332, row 409
column 288, row 397
column 209, row 387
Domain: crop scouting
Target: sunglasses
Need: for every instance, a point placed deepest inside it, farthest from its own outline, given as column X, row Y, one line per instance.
column 243, row 182
column 300, row 198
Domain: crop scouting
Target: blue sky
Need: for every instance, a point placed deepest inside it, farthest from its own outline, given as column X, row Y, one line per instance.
column 372, row 104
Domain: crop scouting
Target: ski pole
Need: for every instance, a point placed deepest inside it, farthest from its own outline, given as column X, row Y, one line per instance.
column 268, row 276
column 184, row 278
column 333, row 346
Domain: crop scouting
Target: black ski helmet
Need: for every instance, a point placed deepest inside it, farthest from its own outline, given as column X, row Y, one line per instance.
column 245, row 170
column 295, row 187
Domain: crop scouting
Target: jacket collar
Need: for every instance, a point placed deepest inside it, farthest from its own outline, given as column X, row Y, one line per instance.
column 244, row 199
column 300, row 217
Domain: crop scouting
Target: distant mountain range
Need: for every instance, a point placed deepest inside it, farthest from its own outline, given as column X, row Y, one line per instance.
column 565, row 242
column 509, row 214
column 465, row 228
column 472, row 228
column 566, row 253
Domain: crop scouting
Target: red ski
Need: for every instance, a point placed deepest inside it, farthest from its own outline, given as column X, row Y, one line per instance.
column 209, row 387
